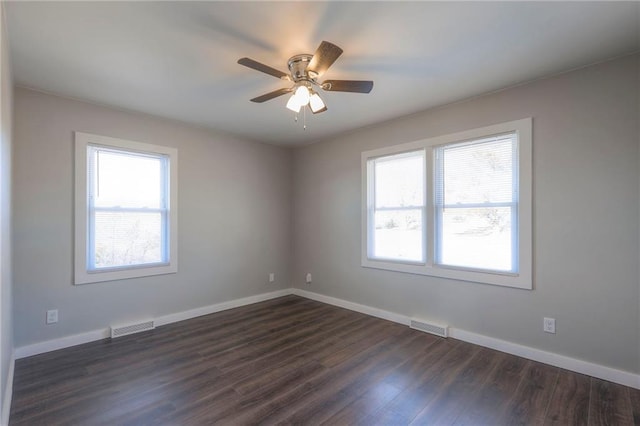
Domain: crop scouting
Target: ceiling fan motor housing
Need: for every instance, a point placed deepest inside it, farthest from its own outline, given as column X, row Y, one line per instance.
column 298, row 67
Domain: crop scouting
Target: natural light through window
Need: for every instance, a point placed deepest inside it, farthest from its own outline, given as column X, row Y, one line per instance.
column 126, row 216
column 398, row 207
column 476, row 204
column 455, row 206
column 127, row 208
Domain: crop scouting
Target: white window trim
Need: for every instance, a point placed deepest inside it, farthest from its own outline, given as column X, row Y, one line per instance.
column 81, row 274
column 524, row 278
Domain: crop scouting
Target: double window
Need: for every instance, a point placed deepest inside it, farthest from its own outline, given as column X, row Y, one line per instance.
column 456, row 206
column 125, row 209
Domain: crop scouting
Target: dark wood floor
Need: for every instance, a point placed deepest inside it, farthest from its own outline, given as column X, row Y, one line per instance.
column 296, row 361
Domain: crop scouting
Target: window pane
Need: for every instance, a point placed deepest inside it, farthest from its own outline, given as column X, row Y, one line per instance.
column 398, row 235
column 126, row 179
column 477, row 238
column 124, row 238
column 481, row 172
column 399, row 180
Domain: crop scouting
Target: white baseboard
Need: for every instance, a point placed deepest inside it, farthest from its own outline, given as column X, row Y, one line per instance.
column 90, row 336
column 61, row 343
column 584, row 367
column 8, row 393
column 374, row 312
column 206, row 310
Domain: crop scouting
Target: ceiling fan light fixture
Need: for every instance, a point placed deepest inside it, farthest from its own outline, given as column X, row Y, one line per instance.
column 315, row 102
column 302, row 95
column 294, row 104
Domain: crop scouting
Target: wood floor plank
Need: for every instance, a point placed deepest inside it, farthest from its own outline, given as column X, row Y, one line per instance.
column 375, row 334
column 105, row 404
column 411, row 401
column 456, row 397
column 318, row 411
column 416, row 368
column 610, row 404
column 288, row 355
column 197, row 412
column 570, row 400
column 530, row 402
column 389, row 386
column 251, row 405
column 297, row 361
column 322, row 387
column 346, row 383
column 365, row 405
column 274, row 341
column 634, row 395
column 499, row 390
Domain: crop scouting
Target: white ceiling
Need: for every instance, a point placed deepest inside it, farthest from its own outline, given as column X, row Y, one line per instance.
column 178, row 59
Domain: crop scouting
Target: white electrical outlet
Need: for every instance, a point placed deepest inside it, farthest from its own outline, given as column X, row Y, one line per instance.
column 549, row 325
column 272, row 277
column 52, row 316
column 308, row 278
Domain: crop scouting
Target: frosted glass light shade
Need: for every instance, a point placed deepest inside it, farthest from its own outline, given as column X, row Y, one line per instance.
column 293, row 104
column 315, row 102
column 302, row 94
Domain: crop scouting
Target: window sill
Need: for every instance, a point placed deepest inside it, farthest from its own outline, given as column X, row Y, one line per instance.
column 85, row 277
column 520, row 280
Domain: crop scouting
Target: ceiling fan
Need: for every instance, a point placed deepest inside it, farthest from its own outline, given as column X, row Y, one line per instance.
column 304, row 71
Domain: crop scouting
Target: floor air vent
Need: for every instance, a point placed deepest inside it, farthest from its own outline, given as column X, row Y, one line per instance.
column 131, row 328
column 429, row 327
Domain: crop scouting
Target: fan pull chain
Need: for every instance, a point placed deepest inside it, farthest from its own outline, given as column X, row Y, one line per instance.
column 304, row 117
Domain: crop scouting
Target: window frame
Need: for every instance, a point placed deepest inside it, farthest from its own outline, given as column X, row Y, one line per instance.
column 82, row 273
column 523, row 278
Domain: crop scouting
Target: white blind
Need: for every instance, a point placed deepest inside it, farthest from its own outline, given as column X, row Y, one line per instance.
column 476, row 172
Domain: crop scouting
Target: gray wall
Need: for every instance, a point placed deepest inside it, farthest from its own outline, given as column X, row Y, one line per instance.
column 234, row 219
column 6, row 317
column 586, row 217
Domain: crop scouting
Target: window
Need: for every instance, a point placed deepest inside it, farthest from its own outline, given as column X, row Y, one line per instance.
column 126, row 221
column 398, row 210
column 455, row 206
column 476, row 203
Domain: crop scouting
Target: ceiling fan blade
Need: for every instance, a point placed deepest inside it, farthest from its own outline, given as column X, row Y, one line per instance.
column 325, row 56
column 262, row 68
column 355, row 86
column 271, row 95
